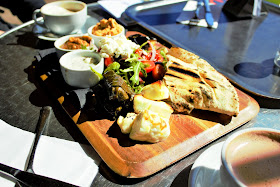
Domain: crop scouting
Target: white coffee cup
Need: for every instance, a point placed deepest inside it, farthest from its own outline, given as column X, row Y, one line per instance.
column 251, row 157
column 62, row 17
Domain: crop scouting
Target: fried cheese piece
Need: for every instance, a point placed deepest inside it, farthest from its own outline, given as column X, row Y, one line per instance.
column 125, row 123
column 141, row 104
column 149, row 123
column 150, row 127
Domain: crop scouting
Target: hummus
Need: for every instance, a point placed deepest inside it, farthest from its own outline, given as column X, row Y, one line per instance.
column 107, row 27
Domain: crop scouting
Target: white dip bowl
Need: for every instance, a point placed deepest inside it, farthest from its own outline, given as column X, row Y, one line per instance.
column 76, row 68
column 59, row 42
column 98, row 38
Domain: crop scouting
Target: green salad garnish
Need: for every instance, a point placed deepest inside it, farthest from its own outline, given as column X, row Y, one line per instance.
column 130, row 68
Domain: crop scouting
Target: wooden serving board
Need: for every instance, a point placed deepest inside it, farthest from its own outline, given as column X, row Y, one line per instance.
column 188, row 134
column 135, row 159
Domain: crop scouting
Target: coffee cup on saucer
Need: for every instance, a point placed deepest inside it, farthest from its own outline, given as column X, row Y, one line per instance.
column 62, row 17
column 251, row 157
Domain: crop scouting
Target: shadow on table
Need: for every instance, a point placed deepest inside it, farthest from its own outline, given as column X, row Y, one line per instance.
column 40, row 97
column 156, row 179
column 257, row 70
column 29, row 39
column 182, row 178
column 110, row 175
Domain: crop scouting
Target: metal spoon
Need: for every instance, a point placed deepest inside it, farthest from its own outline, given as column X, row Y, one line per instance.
column 42, row 124
column 28, row 178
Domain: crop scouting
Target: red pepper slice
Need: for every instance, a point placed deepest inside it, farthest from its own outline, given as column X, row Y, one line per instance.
column 108, row 61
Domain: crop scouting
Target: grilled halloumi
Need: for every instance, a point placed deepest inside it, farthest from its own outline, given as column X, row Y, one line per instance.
column 163, row 109
column 125, row 123
column 150, row 122
column 150, row 127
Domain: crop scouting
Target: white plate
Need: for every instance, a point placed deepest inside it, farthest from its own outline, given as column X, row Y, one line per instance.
column 45, row 34
column 206, row 169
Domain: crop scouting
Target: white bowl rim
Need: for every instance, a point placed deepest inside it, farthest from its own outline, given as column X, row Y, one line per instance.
column 233, row 136
column 80, row 51
column 66, row 37
column 90, row 33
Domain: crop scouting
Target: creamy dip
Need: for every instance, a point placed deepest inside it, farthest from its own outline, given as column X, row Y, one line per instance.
column 81, row 63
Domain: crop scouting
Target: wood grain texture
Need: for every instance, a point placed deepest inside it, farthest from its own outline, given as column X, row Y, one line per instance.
column 188, row 133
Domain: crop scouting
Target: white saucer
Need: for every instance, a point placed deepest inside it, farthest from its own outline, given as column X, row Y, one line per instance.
column 206, row 169
column 45, row 34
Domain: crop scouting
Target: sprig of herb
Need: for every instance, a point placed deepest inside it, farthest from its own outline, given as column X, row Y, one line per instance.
column 100, row 76
column 163, row 54
column 131, row 73
column 115, row 66
column 84, row 47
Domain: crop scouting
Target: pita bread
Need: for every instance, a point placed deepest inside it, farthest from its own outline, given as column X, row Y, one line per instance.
column 194, row 84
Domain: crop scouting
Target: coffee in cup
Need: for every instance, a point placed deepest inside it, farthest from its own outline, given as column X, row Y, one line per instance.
column 251, row 157
column 62, row 17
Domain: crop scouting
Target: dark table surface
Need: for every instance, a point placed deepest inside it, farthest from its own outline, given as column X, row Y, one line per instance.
column 242, row 49
column 22, row 96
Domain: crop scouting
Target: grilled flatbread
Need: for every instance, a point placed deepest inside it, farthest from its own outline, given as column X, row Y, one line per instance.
column 194, row 84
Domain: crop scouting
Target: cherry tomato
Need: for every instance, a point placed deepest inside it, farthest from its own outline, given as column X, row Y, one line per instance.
column 158, row 72
column 149, row 68
column 147, row 56
column 142, row 55
column 108, row 61
column 159, row 57
column 139, row 52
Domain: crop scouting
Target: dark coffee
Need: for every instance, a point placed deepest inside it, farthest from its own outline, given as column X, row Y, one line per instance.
column 255, row 158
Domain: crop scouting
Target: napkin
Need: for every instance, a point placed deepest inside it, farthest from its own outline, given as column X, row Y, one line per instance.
column 14, row 148
column 110, row 6
column 63, row 160
column 188, row 14
column 117, row 9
